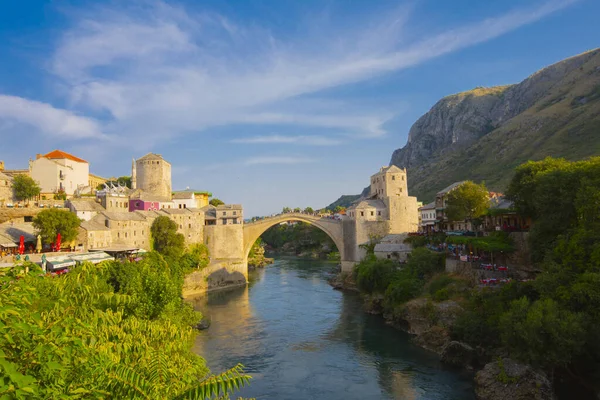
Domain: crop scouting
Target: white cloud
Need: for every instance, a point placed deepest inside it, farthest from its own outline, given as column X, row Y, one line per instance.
column 47, row 119
column 160, row 71
column 279, row 139
column 277, row 160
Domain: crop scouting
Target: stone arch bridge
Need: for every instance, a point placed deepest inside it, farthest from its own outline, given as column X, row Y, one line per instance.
column 229, row 246
column 332, row 227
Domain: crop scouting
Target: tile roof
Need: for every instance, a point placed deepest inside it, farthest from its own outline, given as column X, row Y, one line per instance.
column 367, row 204
column 429, row 206
column 93, row 226
column 59, row 155
column 123, row 216
column 451, row 187
column 5, row 177
column 86, row 205
column 151, row 156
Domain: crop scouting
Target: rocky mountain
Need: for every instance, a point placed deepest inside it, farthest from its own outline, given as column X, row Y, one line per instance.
column 482, row 134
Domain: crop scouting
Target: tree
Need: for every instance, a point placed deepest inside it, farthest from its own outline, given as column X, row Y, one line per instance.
column 297, row 210
column 339, row 209
column 123, row 180
column 49, row 223
column 467, row 201
column 216, row 202
column 166, row 239
column 25, row 187
column 286, row 210
column 309, row 210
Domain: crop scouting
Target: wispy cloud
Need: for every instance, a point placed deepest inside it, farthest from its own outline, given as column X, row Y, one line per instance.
column 280, row 139
column 47, row 119
column 158, row 70
column 277, row 160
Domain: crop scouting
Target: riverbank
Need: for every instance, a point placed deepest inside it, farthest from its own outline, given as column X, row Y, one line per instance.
column 430, row 323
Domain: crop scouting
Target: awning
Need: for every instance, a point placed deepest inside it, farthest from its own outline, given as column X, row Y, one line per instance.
column 8, row 245
column 61, row 264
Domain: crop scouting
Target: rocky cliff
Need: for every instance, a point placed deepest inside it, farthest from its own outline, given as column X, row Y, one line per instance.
column 484, row 133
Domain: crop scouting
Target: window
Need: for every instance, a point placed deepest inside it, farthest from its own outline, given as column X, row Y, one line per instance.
column 235, row 213
column 379, row 213
column 180, row 206
column 393, row 177
column 125, row 234
column 118, row 234
column 134, row 233
column 402, row 177
column 190, row 226
column 389, row 256
column 224, row 212
column 372, row 213
column 180, row 226
column 362, row 213
column 184, row 206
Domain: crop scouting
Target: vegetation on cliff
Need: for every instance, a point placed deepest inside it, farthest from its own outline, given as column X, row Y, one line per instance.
column 256, row 257
column 116, row 330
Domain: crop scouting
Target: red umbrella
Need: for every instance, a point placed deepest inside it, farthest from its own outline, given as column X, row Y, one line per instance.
column 22, row 244
column 58, row 242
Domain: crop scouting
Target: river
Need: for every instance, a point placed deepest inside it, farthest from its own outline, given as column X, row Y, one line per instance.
column 300, row 339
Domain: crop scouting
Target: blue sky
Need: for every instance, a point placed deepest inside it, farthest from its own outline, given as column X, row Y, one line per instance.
column 265, row 103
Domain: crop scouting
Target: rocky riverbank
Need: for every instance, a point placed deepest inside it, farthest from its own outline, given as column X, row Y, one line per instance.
column 431, row 322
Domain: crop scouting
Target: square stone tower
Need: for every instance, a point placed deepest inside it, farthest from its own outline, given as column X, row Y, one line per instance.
column 389, row 182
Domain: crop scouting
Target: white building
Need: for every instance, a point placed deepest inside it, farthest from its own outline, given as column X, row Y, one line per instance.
column 428, row 217
column 59, row 171
column 85, row 209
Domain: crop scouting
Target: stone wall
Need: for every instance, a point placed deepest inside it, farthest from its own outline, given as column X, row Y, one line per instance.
column 225, row 242
column 404, row 214
column 218, row 275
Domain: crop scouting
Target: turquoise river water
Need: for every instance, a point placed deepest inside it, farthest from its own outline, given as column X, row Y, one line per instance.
column 300, row 339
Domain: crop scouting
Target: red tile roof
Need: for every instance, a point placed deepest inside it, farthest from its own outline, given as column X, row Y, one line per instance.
column 59, row 154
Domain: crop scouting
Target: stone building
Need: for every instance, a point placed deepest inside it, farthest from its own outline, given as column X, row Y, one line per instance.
column 59, row 171
column 392, row 247
column 152, row 174
column 6, row 190
column 388, row 210
column 428, row 216
column 85, row 208
column 190, row 198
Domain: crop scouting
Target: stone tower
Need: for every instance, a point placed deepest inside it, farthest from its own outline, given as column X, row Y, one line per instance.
column 153, row 175
column 133, row 175
column 389, row 182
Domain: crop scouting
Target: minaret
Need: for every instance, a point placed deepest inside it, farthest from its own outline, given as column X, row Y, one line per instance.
column 133, row 175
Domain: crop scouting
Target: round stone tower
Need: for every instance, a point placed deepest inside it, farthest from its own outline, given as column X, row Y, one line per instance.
column 153, row 175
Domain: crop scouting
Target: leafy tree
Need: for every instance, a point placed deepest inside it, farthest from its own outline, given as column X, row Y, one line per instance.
column 197, row 257
column 339, row 209
column 25, row 187
column 60, row 195
column 166, row 239
column 542, row 333
column 49, row 223
column 297, row 210
column 76, row 337
column 309, row 210
column 216, row 202
column 286, row 210
column 123, row 180
column 467, row 201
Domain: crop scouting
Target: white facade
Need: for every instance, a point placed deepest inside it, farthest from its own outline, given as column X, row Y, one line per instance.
column 428, row 216
column 54, row 175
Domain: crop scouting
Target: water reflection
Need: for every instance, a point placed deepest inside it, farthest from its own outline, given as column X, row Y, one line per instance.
column 302, row 340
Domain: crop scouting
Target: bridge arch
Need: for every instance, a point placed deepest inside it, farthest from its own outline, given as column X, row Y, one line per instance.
column 253, row 230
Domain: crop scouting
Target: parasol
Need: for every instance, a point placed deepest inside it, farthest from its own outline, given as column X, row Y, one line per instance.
column 38, row 246
column 58, row 242
column 22, row 244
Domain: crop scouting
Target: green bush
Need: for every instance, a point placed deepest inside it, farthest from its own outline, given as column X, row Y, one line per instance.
column 374, row 275
column 405, row 286
column 441, row 295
